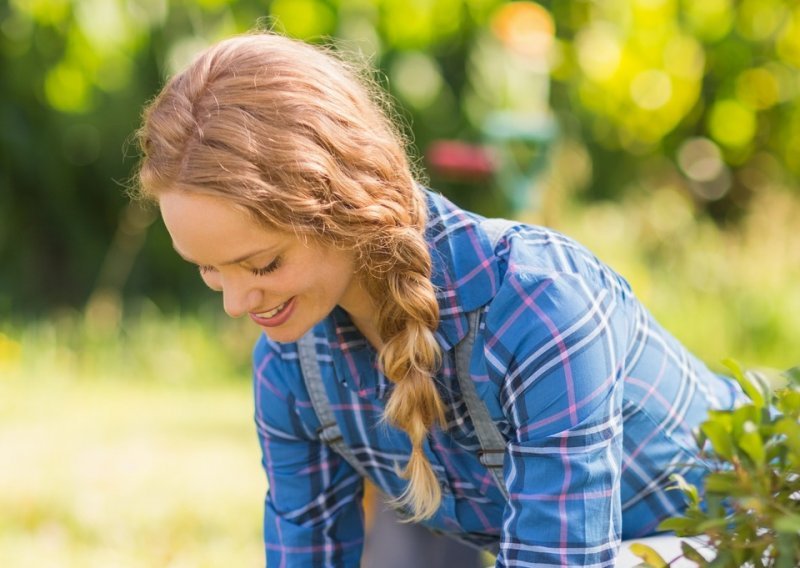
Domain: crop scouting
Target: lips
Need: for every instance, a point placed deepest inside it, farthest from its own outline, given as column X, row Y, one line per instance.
column 275, row 316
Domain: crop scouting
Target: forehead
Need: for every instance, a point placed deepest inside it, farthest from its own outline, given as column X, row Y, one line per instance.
column 183, row 207
column 211, row 230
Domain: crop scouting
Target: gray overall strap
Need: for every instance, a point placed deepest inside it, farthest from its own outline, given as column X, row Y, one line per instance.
column 493, row 445
column 329, row 431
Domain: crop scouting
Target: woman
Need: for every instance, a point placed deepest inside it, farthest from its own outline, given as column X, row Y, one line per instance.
column 396, row 324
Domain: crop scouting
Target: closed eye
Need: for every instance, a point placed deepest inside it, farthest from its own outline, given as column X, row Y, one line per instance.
column 271, row 267
column 263, row 271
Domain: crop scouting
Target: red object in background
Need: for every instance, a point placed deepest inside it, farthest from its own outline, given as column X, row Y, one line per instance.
column 451, row 159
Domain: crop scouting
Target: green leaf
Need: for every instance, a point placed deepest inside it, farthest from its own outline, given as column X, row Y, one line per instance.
column 723, row 482
column 788, row 524
column 699, row 438
column 724, row 559
column 793, row 375
column 791, row 430
column 720, row 438
column 788, row 401
column 713, row 524
column 682, row 526
column 687, row 488
column 649, row 555
column 724, row 417
column 715, row 503
column 751, row 443
column 734, row 367
column 788, row 547
column 691, row 553
column 744, row 414
column 749, row 386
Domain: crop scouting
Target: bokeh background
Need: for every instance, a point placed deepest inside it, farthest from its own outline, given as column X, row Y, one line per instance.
column 664, row 134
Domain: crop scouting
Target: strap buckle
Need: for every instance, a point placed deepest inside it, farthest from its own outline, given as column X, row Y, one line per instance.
column 329, row 433
column 491, row 457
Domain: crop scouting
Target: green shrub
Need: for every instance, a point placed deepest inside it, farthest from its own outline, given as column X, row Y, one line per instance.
column 749, row 509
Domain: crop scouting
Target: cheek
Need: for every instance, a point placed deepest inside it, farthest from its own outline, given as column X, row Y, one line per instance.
column 311, row 280
column 335, row 275
column 300, row 280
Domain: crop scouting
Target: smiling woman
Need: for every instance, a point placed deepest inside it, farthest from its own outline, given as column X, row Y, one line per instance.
column 286, row 285
column 496, row 380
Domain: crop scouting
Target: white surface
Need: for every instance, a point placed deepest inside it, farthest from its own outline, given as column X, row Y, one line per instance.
column 669, row 547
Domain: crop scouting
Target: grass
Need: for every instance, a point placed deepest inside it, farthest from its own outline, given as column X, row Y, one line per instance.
column 126, row 469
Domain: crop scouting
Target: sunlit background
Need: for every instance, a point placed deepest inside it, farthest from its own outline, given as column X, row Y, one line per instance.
column 663, row 134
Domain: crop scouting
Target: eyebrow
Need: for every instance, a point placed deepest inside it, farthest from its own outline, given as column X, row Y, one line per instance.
column 237, row 260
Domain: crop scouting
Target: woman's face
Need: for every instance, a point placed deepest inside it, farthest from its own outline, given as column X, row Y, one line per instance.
column 285, row 285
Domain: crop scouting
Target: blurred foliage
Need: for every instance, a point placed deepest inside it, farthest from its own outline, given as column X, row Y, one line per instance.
column 677, row 154
column 705, row 92
column 203, row 348
column 719, row 292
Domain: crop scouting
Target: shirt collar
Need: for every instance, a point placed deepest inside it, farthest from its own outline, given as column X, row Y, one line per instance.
column 354, row 359
column 465, row 271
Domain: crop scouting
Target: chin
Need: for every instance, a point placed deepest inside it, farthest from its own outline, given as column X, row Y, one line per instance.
column 293, row 329
column 283, row 335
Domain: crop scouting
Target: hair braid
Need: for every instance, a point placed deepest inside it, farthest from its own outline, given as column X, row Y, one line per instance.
column 408, row 314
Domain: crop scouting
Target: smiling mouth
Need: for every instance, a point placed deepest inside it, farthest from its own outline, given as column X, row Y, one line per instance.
column 273, row 312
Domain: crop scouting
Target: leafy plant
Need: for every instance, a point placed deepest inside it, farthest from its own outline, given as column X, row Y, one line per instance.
column 749, row 509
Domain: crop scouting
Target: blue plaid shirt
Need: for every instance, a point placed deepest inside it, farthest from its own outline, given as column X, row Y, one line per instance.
column 596, row 400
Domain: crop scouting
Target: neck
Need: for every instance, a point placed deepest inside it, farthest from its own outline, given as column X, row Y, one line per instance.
column 369, row 330
column 362, row 310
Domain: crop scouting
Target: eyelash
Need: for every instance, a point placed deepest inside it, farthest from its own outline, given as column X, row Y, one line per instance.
column 263, row 271
column 271, row 267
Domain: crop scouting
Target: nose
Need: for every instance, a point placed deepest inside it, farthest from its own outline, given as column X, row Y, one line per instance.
column 239, row 299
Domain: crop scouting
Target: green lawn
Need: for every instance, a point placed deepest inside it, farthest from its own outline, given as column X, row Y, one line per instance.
column 128, row 474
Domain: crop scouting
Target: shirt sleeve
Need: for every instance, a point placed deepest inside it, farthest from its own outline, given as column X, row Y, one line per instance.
column 556, row 347
column 313, row 508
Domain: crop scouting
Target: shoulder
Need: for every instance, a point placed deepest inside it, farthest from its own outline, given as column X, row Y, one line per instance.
column 550, row 275
column 534, row 309
column 536, row 250
column 564, row 275
column 557, row 329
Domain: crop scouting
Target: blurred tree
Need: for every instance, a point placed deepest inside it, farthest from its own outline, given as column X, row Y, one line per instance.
column 711, row 86
column 700, row 96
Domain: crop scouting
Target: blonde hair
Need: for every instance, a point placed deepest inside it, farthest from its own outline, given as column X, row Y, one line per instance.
column 290, row 133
